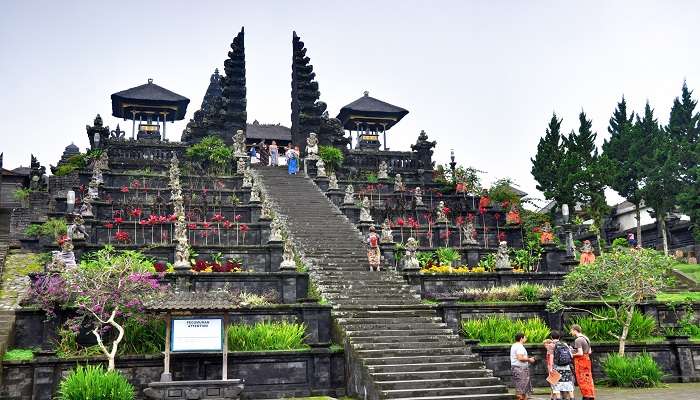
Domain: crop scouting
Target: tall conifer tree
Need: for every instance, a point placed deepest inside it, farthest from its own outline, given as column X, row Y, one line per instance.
column 547, row 164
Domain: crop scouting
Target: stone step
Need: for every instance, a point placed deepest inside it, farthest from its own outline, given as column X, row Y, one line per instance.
column 350, row 322
column 401, row 339
column 427, row 367
column 396, row 326
column 413, row 359
column 425, row 351
column 408, row 344
column 445, row 391
column 482, row 396
column 438, row 382
column 398, row 333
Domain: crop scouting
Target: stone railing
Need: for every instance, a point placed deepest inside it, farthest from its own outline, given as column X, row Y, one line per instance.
column 125, row 154
column 397, row 161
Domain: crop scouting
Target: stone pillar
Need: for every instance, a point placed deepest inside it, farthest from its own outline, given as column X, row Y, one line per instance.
column 680, row 347
column 322, row 183
column 388, row 253
column 352, row 212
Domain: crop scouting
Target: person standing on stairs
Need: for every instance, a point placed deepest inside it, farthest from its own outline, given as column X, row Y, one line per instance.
column 274, row 153
column 373, row 254
column 520, row 367
column 292, row 160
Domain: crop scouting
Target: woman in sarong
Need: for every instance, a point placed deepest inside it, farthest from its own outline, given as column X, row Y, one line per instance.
column 292, row 160
column 373, row 253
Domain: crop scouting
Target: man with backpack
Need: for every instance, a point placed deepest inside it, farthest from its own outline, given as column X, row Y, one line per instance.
column 582, row 363
column 559, row 360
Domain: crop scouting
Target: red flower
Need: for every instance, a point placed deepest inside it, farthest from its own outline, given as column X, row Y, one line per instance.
column 109, row 225
column 470, row 217
column 227, row 224
column 505, row 204
column 191, row 226
column 200, row 266
column 460, row 220
column 497, row 216
column 135, row 184
column 501, row 236
column 206, row 225
column 160, row 266
column 482, row 210
column 216, row 267
column 237, row 217
column 204, row 233
column 122, row 236
column 217, row 218
column 117, row 213
column 143, row 222
column 232, row 265
column 125, row 189
column 62, row 239
column 118, row 220
column 136, row 212
column 153, row 219
column 172, row 217
column 446, row 210
column 446, row 234
column 162, row 219
column 399, row 221
column 537, row 229
column 244, row 228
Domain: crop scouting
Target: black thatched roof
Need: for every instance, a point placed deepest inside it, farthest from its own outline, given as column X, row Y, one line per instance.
column 149, row 97
column 268, row 132
column 371, row 108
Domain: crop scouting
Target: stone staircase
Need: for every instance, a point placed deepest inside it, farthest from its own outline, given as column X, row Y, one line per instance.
column 7, row 317
column 396, row 347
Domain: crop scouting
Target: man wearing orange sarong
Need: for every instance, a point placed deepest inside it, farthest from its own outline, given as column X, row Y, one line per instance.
column 582, row 363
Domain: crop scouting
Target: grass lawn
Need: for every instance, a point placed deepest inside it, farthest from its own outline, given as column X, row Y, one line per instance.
column 692, row 270
column 678, row 297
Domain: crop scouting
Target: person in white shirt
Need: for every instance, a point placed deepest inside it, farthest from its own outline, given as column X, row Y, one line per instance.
column 520, row 367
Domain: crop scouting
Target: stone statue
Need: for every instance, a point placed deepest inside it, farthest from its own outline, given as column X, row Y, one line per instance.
column 383, row 172
column 502, row 257
column 587, row 254
column 320, row 168
column 546, row 234
column 255, row 193
column 182, row 247
column 241, row 165
column 399, row 186
column 288, row 256
column 239, row 144
column 419, row 197
column 365, row 215
column 333, row 182
column 410, row 260
column 349, row 195
column 93, row 189
column 469, row 234
column 440, row 213
column 275, row 230
column 86, row 208
column 387, row 234
column 266, row 211
column 312, row 147
column 67, row 255
column 76, row 230
column 247, row 179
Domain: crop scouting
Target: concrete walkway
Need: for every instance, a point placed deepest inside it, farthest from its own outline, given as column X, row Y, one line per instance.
column 674, row 391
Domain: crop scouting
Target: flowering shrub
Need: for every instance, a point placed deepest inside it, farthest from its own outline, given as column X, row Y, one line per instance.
column 230, row 265
column 48, row 292
column 517, row 292
column 445, row 269
column 122, row 237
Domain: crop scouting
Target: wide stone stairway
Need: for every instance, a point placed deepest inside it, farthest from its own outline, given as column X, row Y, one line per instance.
column 396, row 347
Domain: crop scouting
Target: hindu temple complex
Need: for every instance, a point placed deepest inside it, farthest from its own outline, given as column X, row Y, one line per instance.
column 232, row 241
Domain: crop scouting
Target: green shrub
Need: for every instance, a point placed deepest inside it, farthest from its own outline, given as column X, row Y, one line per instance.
column 447, row 255
column 530, row 292
column 488, row 262
column 139, row 338
column 371, row 177
column 620, row 242
column 53, row 228
column 642, row 326
column 94, row 383
column 266, row 336
column 18, row 355
column 639, row 371
column 108, row 256
column 501, row 329
column 212, row 152
column 21, row 194
column 331, row 156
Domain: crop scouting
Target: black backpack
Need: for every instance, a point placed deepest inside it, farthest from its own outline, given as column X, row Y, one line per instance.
column 562, row 355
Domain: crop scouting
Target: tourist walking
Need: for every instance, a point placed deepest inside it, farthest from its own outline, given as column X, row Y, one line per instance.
column 274, row 154
column 253, row 153
column 298, row 153
column 559, row 361
column 292, row 160
column 582, row 363
column 264, row 154
column 520, row 367
column 374, row 256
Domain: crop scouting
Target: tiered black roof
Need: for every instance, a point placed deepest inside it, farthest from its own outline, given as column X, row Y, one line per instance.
column 149, row 97
column 367, row 106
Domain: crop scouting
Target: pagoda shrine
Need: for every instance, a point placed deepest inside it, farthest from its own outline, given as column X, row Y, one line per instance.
column 368, row 118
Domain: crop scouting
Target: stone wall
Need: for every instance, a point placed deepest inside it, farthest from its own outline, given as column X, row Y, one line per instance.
column 442, row 284
column 278, row 374
column 678, row 358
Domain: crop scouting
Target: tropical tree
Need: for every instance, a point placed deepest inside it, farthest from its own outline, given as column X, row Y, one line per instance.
column 548, row 164
column 621, row 280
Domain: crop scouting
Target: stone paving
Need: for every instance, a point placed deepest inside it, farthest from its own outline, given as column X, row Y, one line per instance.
column 674, row 391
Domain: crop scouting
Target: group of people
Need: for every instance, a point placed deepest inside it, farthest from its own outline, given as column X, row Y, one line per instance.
column 269, row 155
column 565, row 364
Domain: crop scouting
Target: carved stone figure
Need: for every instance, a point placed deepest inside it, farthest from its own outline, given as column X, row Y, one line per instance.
column 399, row 186
column 440, row 213
column 102, row 163
column 266, row 212
column 333, row 182
column 387, row 234
column 241, row 165
column 320, row 168
column 288, row 256
column 410, row 260
column 418, row 195
column 86, row 208
column 349, row 195
column 247, row 179
column 365, row 215
column 469, row 234
column 93, row 190
column 502, row 257
column 312, row 147
column 76, row 230
column 239, row 144
column 182, row 247
column 546, row 234
column 255, row 193
column 275, row 230
column 587, row 254
column 383, row 172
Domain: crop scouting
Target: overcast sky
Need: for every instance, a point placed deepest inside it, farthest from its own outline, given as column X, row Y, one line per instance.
column 482, row 77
